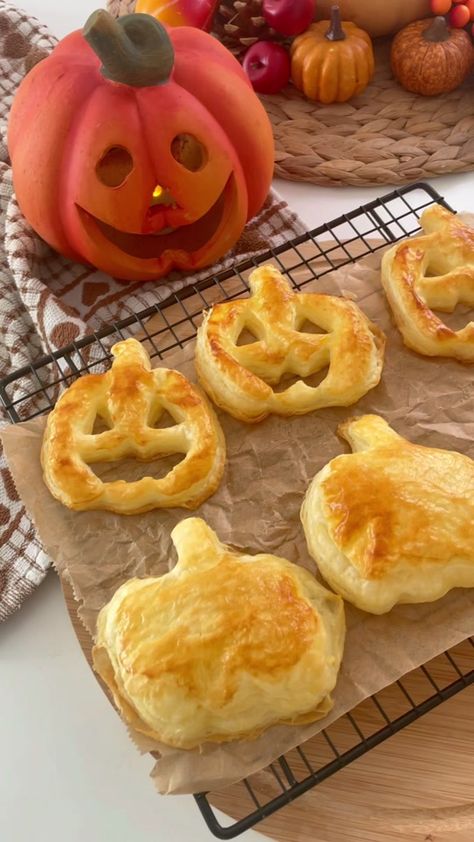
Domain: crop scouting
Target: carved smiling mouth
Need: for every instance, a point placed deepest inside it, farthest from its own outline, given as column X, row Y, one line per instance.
column 189, row 238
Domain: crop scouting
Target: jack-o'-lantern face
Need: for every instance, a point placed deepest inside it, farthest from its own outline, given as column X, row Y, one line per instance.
column 164, row 196
column 137, row 172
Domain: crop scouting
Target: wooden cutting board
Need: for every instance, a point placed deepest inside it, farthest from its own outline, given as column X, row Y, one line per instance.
column 418, row 785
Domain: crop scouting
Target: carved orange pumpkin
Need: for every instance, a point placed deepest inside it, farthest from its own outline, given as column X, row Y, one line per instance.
column 154, row 160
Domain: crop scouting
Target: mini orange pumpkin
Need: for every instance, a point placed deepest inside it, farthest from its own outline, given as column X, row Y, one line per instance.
column 154, row 160
column 332, row 62
column 429, row 58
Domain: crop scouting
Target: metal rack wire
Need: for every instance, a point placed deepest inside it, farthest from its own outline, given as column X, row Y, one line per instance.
column 163, row 327
column 350, row 737
column 33, row 389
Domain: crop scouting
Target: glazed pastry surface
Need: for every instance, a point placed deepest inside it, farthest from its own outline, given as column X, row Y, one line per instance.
column 222, row 647
column 393, row 521
column 240, row 378
column 433, row 271
column 129, row 399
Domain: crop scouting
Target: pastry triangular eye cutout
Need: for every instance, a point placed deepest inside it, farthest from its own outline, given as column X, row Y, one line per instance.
column 222, row 647
column 433, row 271
column 239, row 377
column 393, row 521
column 131, row 397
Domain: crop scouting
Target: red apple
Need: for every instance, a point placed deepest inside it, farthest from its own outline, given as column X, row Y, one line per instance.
column 288, row 17
column 268, row 67
column 459, row 16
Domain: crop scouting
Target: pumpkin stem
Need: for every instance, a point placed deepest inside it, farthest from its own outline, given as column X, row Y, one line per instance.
column 134, row 49
column 335, row 31
column 437, row 31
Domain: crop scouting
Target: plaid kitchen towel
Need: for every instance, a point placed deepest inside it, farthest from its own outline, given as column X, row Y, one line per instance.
column 47, row 301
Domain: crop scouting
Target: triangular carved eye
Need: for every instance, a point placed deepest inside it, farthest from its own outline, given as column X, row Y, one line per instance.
column 246, row 337
column 114, row 167
column 100, row 426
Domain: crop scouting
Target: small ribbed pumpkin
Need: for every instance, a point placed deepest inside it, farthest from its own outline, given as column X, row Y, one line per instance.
column 429, row 58
column 332, row 61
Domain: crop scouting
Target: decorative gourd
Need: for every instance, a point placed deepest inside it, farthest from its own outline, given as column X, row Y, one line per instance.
column 375, row 16
column 180, row 12
column 137, row 150
column 332, row 62
column 429, row 58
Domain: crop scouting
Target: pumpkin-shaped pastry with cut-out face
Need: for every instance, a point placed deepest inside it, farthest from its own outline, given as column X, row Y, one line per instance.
column 131, row 399
column 301, row 335
column 139, row 151
column 433, row 271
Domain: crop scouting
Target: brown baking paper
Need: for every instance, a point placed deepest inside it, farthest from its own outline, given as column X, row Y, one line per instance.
column 256, row 508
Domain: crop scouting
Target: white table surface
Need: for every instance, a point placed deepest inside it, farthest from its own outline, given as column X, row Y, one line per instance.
column 68, row 770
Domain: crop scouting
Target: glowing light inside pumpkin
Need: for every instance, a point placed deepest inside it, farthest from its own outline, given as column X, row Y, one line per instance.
column 162, row 196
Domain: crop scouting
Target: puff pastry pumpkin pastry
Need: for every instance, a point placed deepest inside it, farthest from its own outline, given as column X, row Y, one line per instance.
column 393, row 521
column 222, row 647
column 239, row 378
column 433, row 271
column 130, row 399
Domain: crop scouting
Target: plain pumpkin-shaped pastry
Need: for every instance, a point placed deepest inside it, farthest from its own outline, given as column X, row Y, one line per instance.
column 332, row 61
column 392, row 521
column 376, row 17
column 429, row 58
column 222, row 647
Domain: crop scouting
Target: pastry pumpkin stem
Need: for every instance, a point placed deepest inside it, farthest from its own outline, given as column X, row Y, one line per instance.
column 134, row 49
column 335, row 31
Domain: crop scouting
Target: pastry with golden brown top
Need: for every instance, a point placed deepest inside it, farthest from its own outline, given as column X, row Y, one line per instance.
column 392, row 522
column 239, row 378
column 433, row 271
column 222, row 647
column 130, row 398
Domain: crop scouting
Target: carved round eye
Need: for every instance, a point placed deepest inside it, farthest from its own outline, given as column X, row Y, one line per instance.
column 189, row 152
column 114, row 166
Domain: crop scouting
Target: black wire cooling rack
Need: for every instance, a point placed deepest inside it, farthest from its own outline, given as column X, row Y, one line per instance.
column 163, row 327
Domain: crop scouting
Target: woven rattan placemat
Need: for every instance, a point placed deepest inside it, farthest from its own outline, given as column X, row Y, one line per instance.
column 385, row 136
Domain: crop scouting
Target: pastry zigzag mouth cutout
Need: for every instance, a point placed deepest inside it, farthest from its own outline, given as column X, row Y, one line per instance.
column 131, row 398
column 239, row 378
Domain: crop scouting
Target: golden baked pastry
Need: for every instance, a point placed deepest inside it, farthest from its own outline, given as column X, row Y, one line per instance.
column 222, row 647
column 393, row 521
column 130, row 399
column 239, row 378
column 432, row 271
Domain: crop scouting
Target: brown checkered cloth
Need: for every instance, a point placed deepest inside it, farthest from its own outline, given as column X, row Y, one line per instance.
column 47, row 301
